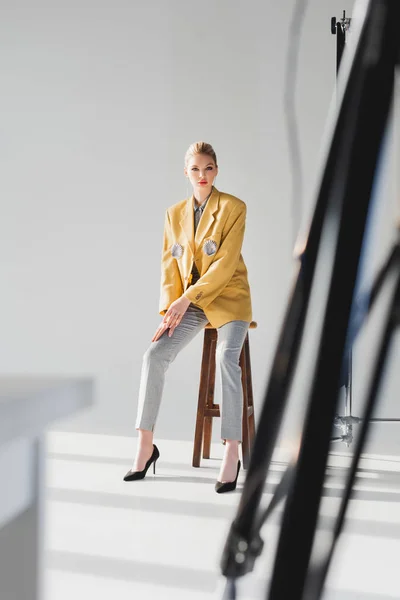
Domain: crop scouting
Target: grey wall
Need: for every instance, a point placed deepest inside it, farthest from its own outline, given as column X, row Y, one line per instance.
column 98, row 104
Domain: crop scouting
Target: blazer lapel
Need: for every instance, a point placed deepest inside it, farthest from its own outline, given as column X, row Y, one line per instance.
column 187, row 222
column 207, row 218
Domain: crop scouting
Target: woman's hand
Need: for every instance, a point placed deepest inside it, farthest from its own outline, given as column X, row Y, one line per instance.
column 172, row 317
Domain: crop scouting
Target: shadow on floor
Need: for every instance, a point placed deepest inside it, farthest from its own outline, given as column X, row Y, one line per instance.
column 127, row 570
column 177, row 577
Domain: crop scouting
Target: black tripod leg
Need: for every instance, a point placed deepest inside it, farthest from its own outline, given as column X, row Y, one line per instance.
column 364, row 124
column 280, row 494
column 318, row 577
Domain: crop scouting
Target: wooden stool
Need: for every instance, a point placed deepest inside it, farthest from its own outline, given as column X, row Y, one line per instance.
column 207, row 410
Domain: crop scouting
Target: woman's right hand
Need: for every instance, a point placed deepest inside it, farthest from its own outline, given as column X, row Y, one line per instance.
column 163, row 326
column 172, row 317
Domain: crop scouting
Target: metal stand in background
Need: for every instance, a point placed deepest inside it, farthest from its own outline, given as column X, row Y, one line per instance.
column 345, row 422
column 339, row 29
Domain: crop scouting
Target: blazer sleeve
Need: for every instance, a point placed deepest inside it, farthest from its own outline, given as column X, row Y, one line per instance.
column 225, row 262
column 171, row 284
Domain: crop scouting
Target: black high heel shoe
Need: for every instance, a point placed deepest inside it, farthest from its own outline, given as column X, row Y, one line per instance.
column 227, row 486
column 135, row 475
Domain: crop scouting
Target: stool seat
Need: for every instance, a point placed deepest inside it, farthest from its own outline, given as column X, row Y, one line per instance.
column 253, row 325
column 207, row 410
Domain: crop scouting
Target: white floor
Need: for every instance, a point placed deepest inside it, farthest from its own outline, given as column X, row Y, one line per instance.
column 163, row 537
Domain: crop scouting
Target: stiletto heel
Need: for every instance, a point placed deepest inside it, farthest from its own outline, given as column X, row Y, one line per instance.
column 135, row 475
column 227, row 486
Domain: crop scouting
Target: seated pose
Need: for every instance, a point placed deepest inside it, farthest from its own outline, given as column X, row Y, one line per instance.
column 204, row 280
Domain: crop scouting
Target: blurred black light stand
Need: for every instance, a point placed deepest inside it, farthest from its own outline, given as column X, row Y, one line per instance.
column 337, row 233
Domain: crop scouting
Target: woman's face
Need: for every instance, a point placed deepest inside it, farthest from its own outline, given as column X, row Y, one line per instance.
column 201, row 171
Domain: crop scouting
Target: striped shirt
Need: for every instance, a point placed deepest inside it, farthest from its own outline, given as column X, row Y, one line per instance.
column 198, row 211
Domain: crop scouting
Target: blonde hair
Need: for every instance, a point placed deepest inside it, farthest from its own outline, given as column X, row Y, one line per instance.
column 200, row 148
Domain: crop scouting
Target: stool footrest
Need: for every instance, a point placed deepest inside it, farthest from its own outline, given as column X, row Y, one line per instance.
column 211, row 412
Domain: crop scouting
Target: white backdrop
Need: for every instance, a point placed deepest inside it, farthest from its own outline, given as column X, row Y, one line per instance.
column 99, row 102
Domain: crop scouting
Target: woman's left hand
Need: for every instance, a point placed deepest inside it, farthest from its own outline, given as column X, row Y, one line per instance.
column 172, row 317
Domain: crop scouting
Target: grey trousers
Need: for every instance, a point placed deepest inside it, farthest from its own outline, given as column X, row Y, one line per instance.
column 160, row 355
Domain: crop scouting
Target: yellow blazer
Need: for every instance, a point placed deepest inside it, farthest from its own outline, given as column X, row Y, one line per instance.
column 222, row 291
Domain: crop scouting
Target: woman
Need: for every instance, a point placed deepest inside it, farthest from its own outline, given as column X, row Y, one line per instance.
column 204, row 279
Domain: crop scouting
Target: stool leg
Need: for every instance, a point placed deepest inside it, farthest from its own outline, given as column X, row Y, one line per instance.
column 245, row 420
column 203, row 390
column 210, row 400
column 207, row 437
column 252, row 428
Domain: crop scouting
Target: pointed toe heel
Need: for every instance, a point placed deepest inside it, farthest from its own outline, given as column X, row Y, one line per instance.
column 227, row 486
column 136, row 475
